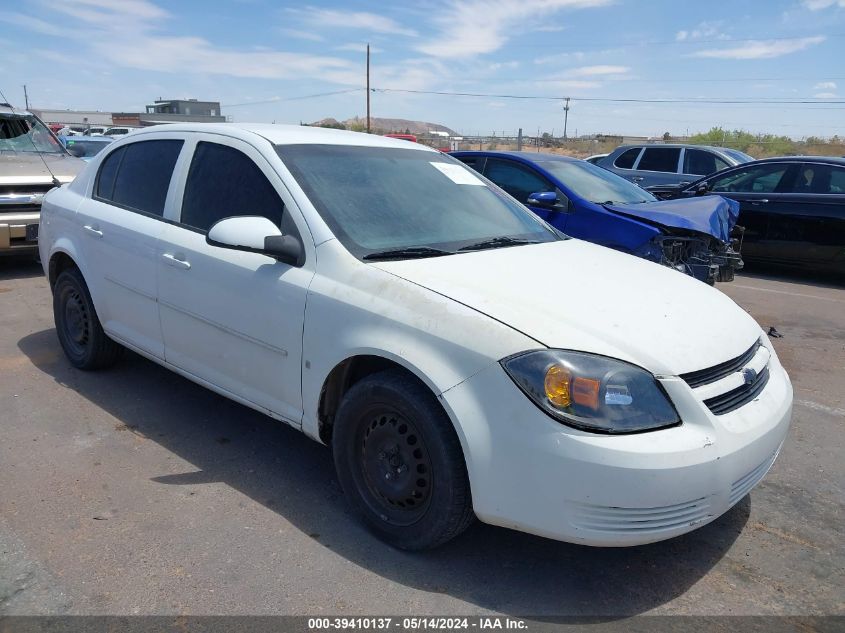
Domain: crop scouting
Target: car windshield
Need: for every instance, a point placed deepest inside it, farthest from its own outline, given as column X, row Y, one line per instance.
column 415, row 202
column 25, row 133
column 596, row 184
column 741, row 157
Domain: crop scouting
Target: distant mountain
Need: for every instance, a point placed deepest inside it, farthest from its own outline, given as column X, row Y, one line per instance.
column 386, row 126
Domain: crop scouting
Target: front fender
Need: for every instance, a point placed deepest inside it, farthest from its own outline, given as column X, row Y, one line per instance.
column 356, row 309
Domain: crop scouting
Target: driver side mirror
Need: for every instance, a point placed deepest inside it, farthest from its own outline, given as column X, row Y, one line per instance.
column 702, row 188
column 548, row 200
column 256, row 234
column 76, row 150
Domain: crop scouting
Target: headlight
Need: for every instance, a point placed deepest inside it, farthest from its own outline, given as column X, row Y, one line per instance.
column 591, row 392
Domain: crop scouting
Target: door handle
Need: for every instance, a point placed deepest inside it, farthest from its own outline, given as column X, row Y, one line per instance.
column 172, row 260
column 637, row 179
column 93, row 231
column 763, row 201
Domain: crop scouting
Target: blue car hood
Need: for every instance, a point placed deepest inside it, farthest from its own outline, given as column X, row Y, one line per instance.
column 713, row 215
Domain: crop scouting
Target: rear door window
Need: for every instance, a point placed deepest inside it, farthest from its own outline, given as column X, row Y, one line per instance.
column 700, row 162
column 137, row 176
column 660, row 159
column 627, row 159
column 517, row 180
column 476, row 162
column 820, row 179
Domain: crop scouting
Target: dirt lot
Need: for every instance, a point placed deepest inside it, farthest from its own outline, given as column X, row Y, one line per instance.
column 134, row 491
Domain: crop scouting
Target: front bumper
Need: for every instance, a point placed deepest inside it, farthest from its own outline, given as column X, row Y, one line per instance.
column 15, row 236
column 533, row 474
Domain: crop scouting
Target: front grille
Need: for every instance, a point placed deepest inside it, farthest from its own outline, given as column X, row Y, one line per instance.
column 633, row 520
column 26, row 189
column 735, row 398
column 717, row 372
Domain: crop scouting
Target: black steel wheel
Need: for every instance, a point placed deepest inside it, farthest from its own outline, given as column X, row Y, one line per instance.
column 77, row 325
column 400, row 462
column 396, row 467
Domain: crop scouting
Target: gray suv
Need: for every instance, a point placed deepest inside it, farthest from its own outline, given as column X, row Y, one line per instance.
column 668, row 164
column 32, row 161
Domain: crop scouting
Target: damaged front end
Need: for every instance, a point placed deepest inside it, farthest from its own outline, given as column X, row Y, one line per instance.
column 701, row 256
column 698, row 236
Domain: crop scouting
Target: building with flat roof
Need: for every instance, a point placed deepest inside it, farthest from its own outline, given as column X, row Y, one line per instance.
column 74, row 118
column 191, row 110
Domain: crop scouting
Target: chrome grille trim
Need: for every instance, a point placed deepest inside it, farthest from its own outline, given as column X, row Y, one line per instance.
column 717, row 372
column 736, row 398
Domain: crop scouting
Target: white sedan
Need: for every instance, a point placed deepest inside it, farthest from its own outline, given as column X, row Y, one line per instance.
column 461, row 358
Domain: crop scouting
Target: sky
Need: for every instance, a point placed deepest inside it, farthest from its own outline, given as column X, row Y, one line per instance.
column 263, row 59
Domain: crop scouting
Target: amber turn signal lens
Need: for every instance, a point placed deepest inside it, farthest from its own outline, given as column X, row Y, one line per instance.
column 585, row 392
column 557, row 386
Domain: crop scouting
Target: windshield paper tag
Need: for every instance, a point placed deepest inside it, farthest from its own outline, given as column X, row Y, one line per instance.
column 457, row 174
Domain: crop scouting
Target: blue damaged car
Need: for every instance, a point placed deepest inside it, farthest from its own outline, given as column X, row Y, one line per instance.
column 585, row 201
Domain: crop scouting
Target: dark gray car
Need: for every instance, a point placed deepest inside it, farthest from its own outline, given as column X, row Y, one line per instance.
column 669, row 164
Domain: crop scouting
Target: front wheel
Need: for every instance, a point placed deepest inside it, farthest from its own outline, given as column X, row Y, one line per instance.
column 400, row 462
column 80, row 334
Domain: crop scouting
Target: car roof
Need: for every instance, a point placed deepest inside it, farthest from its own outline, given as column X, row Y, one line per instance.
column 6, row 108
column 286, row 134
column 87, row 139
column 534, row 157
column 673, row 145
column 835, row 160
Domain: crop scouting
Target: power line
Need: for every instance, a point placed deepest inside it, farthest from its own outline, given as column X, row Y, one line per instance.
column 612, row 47
column 707, row 101
column 298, row 98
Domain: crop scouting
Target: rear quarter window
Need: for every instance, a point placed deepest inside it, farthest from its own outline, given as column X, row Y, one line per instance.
column 627, row 159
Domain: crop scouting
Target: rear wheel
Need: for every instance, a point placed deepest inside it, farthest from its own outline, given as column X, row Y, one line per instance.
column 400, row 463
column 77, row 326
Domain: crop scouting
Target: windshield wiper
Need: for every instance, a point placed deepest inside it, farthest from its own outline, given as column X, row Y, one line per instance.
column 411, row 252
column 496, row 242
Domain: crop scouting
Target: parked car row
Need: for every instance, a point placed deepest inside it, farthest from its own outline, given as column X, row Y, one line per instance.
column 588, row 202
column 462, row 357
column 666, row 163
column 792, row 209
column 32, row 161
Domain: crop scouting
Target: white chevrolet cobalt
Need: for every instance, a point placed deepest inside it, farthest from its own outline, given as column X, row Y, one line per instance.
column 461, row 358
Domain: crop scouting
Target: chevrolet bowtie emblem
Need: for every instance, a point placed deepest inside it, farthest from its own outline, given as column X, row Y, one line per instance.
column 749, row 375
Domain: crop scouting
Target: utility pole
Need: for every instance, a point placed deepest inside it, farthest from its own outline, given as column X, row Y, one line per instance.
column 368, row 88
column 25, row 97
column 565, row 117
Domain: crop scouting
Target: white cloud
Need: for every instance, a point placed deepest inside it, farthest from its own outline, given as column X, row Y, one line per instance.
column 592, row 71
column 567, row 84
column 817, row 5
column 299, row 34
column 331, row 18
column 126, row 33
column 358, row 48
column 31, row 23
column 825, row 85
column 475, row 27
column 704, row 30
column 761, row 49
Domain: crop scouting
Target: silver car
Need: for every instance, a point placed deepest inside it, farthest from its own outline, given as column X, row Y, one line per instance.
column 670, row 164
column 32, row 161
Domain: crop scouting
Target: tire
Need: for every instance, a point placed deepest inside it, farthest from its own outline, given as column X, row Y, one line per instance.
column 400, row 463
column 77, row 326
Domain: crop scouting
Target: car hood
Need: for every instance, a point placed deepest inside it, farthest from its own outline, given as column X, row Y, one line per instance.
column 29, row 168
column 575, row 295
column 713, row 215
